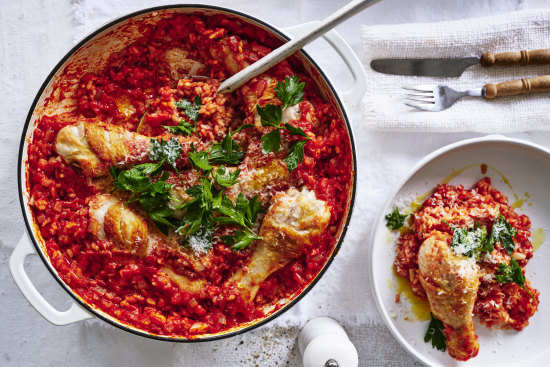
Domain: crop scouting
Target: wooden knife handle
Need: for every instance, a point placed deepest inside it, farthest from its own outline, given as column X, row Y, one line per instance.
column 538, row 84
column 536, row 57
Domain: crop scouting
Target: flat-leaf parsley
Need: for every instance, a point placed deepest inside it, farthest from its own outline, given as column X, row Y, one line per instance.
column 395, row 220
column 512, row 274
column 504, row 232
column 291, row 91
column 435, row 334
column 191, row 109
column 469, row 242
column 183, row 128
column 166, row 151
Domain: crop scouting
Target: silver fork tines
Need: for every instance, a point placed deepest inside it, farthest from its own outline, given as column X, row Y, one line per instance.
column 436, row 97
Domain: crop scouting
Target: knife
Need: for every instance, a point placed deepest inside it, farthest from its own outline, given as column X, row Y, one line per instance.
column 455, row 67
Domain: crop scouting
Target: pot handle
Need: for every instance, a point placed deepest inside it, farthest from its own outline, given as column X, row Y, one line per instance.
column 352, row 96
column 17, row 260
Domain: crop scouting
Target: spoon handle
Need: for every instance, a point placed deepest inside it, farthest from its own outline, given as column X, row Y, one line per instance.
column 293, row 45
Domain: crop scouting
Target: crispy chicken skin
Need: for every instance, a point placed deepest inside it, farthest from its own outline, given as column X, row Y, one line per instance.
column 292, row 220
column 94, row 147
column 255, row 181
column 111, row 220
column 451, row 284
column 71, row 144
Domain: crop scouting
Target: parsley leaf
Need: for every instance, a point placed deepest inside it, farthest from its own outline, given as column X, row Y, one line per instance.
column 243, row 213
column 191, row 109
column 160, row 214
column 225, row 177
column 296, row 130
column 395, row 220
column 271, row 142
column 152, row 196
column 240, row 239
column 199, row 209
column 295, row 154
column 166, row 151
column 291, row 91
column 504, row 232
column 249, row 209
column 512, row 274
column 199, row 159
column 231, row 214
column 270, row 115
column 152, row 169
column 435, row 334
column 134, row 180
column 254, row 208
column 227, row 151
column 469, row 242
column 184, row 128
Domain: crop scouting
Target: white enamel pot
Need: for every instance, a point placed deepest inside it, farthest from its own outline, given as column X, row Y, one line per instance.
column 90, row 54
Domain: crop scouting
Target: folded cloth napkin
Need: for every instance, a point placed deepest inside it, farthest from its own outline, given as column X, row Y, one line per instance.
column 383, row 107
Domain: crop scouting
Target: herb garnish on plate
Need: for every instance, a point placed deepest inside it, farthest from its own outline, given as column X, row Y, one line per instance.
column 395, row 220
column 512, row 274
column 435, row 334
column 470, row 242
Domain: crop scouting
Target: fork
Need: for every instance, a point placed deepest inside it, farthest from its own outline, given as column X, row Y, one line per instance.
column 440, row 97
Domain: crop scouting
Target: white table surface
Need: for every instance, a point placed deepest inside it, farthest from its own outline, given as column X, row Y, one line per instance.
column 34, row 35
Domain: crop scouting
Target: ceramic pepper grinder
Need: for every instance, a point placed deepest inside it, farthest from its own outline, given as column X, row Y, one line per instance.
column 323, row 342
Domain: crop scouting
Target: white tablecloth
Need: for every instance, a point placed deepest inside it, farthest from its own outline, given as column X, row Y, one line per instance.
column 35, row 35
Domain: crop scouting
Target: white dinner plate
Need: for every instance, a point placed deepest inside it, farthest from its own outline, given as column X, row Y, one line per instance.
column 515, row 167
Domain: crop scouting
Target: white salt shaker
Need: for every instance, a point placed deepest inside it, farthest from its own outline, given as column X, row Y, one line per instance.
column 323, row 342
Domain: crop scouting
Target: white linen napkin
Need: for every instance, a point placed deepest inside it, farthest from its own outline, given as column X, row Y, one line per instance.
column 383, row 108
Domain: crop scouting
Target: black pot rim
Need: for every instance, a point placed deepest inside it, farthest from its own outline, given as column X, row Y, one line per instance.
column 119, row 324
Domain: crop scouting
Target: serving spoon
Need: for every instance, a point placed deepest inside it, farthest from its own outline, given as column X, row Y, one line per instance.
column 284, row 51
column 281, row 53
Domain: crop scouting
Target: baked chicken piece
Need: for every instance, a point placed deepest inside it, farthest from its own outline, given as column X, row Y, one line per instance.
column 111, row 220
column 292, row 220
column 184, row 282
column 127, row 230
column 94, row 147
column 254, row 181
column 451, row 283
